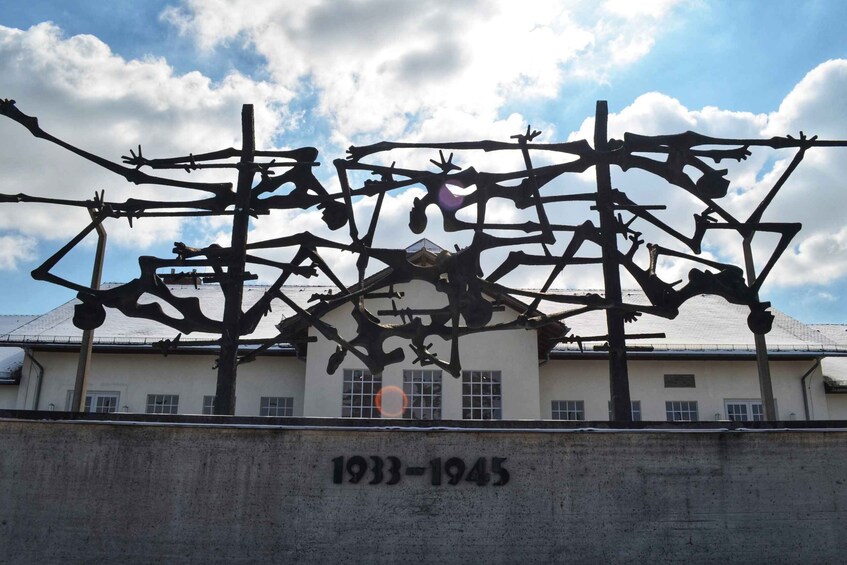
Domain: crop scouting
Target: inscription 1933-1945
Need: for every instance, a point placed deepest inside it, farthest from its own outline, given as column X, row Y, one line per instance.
column 390, row 470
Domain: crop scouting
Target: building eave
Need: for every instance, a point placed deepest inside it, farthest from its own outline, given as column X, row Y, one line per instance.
column 690, row 355
column 139, row 346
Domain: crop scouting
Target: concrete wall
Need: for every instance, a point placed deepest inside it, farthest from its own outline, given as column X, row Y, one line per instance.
column 84, row 492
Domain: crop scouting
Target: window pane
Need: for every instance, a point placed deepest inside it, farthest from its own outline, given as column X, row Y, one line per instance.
column 423, row 394
column 481, row 398
column 360, row 390
column 737, row 412
column 276, row 406
column 105, row 403
column 681, row 411
column 744, row 410
column 573, row 410
column 162, row 403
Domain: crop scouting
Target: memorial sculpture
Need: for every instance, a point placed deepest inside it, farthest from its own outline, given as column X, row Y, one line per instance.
column 457, row 195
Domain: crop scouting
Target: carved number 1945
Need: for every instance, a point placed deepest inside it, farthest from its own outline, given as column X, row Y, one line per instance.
column 390, row 470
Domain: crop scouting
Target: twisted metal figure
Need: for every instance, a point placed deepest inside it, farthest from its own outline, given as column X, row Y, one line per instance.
column 462, row 197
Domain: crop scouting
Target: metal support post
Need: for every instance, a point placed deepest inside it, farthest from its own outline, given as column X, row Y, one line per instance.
column 87, row 344
column 233, row 283
column 618, row 375
column 765, row 386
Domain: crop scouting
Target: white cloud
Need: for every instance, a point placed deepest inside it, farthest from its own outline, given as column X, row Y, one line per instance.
column 424, row 71
column 15, row 250
column 816, row 105
column 814, row 196
column 819, row 258
column 383, row 66
column 628, row 9
column 84, row 94
column 421, row 71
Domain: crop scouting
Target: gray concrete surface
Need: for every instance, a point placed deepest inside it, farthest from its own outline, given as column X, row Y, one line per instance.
column 98, row 492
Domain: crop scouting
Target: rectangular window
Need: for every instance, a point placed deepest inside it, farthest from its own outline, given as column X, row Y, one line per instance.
column 481, row 399
column 679, row 381
column 423, row 394
column 97, row 401
column 744, row 410
column 681, row 411
column 635, row 407
column 276, row 406
column 359, row 394
column 209, row 404
column 162, row 403
column 573, row 410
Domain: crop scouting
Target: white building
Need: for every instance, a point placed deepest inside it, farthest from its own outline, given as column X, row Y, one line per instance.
column 704, row 369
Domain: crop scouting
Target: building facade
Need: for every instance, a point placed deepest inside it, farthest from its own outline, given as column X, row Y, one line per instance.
column 703, row 369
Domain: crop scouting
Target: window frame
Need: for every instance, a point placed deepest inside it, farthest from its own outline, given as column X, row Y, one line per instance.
column 168, row 401
column 559, row 408
column 680, row 380
column 90, row 396
column 430, row 401
column 369, row 385
column 277, row 404
column 476, row 393
column 208, row 405
column 751, row 406
column 670, row 410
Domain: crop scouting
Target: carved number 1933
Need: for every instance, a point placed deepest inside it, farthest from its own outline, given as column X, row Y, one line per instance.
column 390, row 470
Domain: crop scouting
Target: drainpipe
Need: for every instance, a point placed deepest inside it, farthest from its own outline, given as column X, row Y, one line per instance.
column 803, row 384
column 40, row 367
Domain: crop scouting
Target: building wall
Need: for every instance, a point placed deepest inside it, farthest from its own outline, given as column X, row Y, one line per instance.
column 135, row 376
column 527, row 388
column 715, row 382
column 130, row 493
column 8, row 397
column 514, row 353
column 837, row 405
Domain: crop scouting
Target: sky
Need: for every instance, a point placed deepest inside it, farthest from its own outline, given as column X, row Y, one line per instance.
column 172, row 76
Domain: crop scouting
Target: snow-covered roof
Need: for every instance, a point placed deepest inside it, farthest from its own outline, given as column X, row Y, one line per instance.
column 11, row 362
column 56, row 326
column 835, row 332
column 705, row 324
column 11, row 322
column 424, row 243
column 11, row 358
column 834, row 368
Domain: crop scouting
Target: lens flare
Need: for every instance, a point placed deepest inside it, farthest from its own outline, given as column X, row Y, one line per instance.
column 448, row 199
column 388, row 399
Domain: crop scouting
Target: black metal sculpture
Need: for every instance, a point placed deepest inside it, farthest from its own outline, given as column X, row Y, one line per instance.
column 688, row 161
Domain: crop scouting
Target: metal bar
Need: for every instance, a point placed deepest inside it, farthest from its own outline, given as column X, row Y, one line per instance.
column 765, row 385
column 618, row 375
column 87, row 344
column 233, row 287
